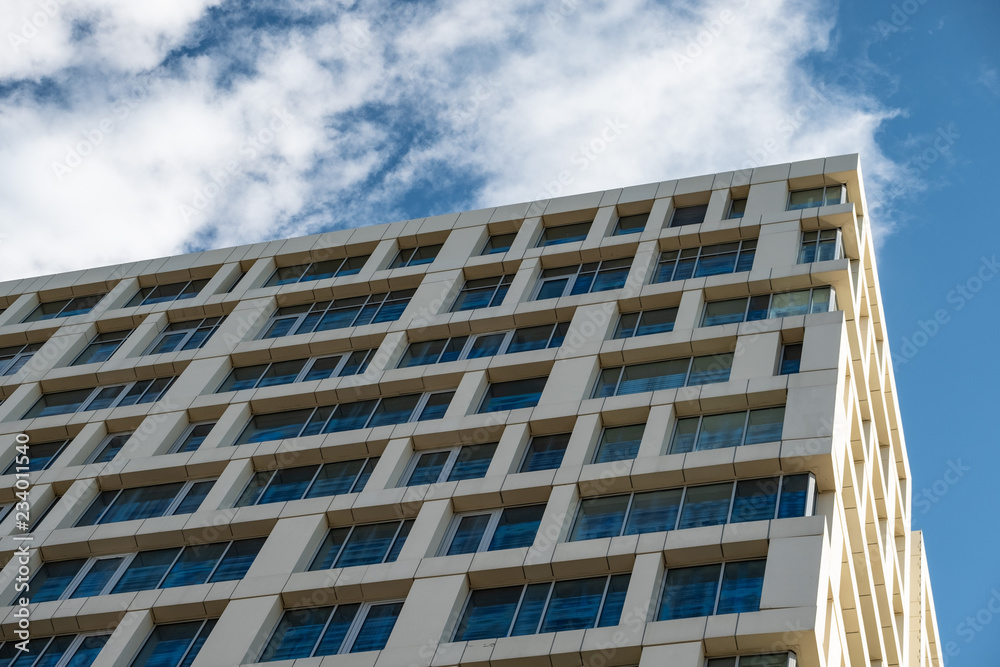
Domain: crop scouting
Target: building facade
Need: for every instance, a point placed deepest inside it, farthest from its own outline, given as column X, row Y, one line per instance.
column 648, row 426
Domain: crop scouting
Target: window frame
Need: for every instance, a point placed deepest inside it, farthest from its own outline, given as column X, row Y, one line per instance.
column 188, row 430
column 571, row 278
column 96, row 340
column 676, row 209
column 308, row 265
column 544, row 242
column 489, row 243
column 190, row 332
column 841, row 187
column 182, row 295
column 718, row 586
column 731, row 210
column 638, row 322
column 353, row 529
column 373, row 460
column 502, row 287
column 13, row 466
column 187, row 651
column 350, row 637
column 618, row 231
column 701, row 422
column 791, row 660
column 404, row 258
column 172, row 507
column 527, row 451
column 68, row 302
column 71, row 650
column 831, row 305
column 307, row 367
column 449, row 465
column 23, row 355
column 782, row 359
column 742, row 250
column 495, row 514
column 103, row 444
column 382, row 299
column 687, row 374
column 838, row 245
column 124, row 391
column 471, row 339
column 488, row 395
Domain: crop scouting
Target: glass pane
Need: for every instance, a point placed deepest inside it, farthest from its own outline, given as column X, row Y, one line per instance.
column 513, row 395
column 395, row 410
column 710, row 369
column 282, row 372
column 100, row 504
column 755, row 500
column 377, row 627
column 488, row 614
column 428, row 468
column 368, row 544
column 614, row 600
column 51, row 580
column 350, row 416
column 60, row 403
column 610, row 279
column 758, row 308
column 551, row 289
column 97, row 578
column 111, row 447
column 689, row 215
column 600, row 517
column 737, row 208
column 195, row 437
column 627, row 325
column 564, row 234
column 724, row 312
column 689, row 591
column 274, row 426
column 426, row 352
column 254, row 489
column 340, row 623
column 454, row 349
column 532, row 606
column 772, row 660
column 517, row 527
column 741, row 586
column 574, row 604
column 789, row 303
column 794, row 496
column 765, row 425
column 791, row 359
column 330, row 549
column 476, row 294
column 805, row 199
column 237, row 560
column 472, row 462
column 725, row 430
column 821, row 298
column 288, row 484
column 607, row 382
column 88, row 650
column 53, row 654
column 653, row 376
column 193, row 498
column 631, row 224
column 356, row 363
column 296, row 634
column 436, row 406
column 194, row 565
column 684, row 435
column 142, row 502
column 653, row 511
column 498, row 243
column 468, row 534
column 706, row 505
column 397, row 545
column 619, row 443
column 335, row 478
column 545, row 452
column 713, row 265
column 146, row 570
column 243, row 378
column 530, row 338
column 656, row 321
column 168, row 343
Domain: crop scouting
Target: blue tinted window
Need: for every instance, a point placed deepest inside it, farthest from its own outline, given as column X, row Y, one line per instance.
column 545, row 452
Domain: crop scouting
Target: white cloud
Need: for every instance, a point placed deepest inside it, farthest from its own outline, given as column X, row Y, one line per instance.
column 314, row 126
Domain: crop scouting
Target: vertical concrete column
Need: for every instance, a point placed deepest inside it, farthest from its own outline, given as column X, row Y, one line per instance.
column 83, row 445
column 256, row 275
column 390, row 465
column 287, row 548
column 756, row 356
column 792, row 575
column 59, row 350
column 430, row 610
column 717, row 204
column 20, row 309
column 126, row 640
column 643, row 267
column 73, row 504
column 381, row 256
column 526, row 237
column 689, row 654
column 241, row 632
column 222, row 279
column 468, row 395
column 824, row 346
column 244, row 323
column 229, row 485
column 555, row 524
column 509, row 450
column 767, row 199
column 570, row 381
column 689, row 310
column 18, row 403
column 658, row 217
column 156, row 434
column 778, row 245
column 202, row 376
column 461, row 244
column 643, row 590
column 602, row 227
column 590, row 327
column 228, row 426
column 428, row 529
column 659, row 426
column 434, row 296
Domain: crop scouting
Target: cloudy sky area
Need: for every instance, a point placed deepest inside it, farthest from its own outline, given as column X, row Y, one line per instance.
column 131, row 130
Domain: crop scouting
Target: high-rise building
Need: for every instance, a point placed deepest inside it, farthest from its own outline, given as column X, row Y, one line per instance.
column 650, row 426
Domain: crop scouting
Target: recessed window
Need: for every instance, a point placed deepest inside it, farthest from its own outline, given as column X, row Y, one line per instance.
column 101, row 347
column 189, row 335
column 630, row 224
column 144, row 570
column 512, row 395
column 820, row 246
column 814, row 197
column 64, row 308
column 766, row 660
column 345, row 417
column 443, row 350
column 769, row 306
column 167, row 293
column 415, row 256
column 663, row 375
column 688, row 215
column 316, row 481
column 729, row 429
column 174, row 645
column 302, row 273
column 58, row 651
column 192, row 437
column 498, row 243
column 13, row 359
column 506, row 528
column 552, row 606
column 98, row 398
column 367, row 544
column 564, row 234
column 583, row 279
column 296, row 370
column 146, row 502
column 449, row 465
column 36, row 457
column 791, row 358
column 737, row 208
column 109, row 447
column 544, row 452
column 619, row 443
column 705, row 590
column 326, row 315
column 710, row 260
column 646, row 322
column 346, row 628
column 482, row 293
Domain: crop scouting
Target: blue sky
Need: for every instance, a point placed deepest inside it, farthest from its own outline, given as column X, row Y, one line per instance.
column 131, row 130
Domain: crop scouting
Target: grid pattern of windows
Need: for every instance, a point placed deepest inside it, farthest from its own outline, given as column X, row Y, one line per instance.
column 484, row 345
column 482, row 293
column 706, row 260
column 13, row 359
column 345, row 628
column 619, row 443
column 58, row 651
column 505, row 528
column 729, row 429
column 415, row 256
column 688, row 215
column 144, row 570
column 326, row 315
column 705, row 590
column 366, row 544
column 498, row 243
column 64, row 308
column 101, row 348
column 769, row 306
column 544, row 452
column 315, row 481
column 345, row 417
column 98, row 398
column 36, row 457
column 791, row 358
column 449, row 465
column 146, row 502
column 663, row 375
column 192, row 437
column 109, row 447
column 296, row 370
column 512, row 395
column 174, row 645
column 820, row 246
column 563, row 234
column 814, row 197
column 303, row 273
column 694, row 506
column 190, row 335
column 646, row 322
column 167, row 293
column 630, row 224
column 552, row 606
column 583, row 279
